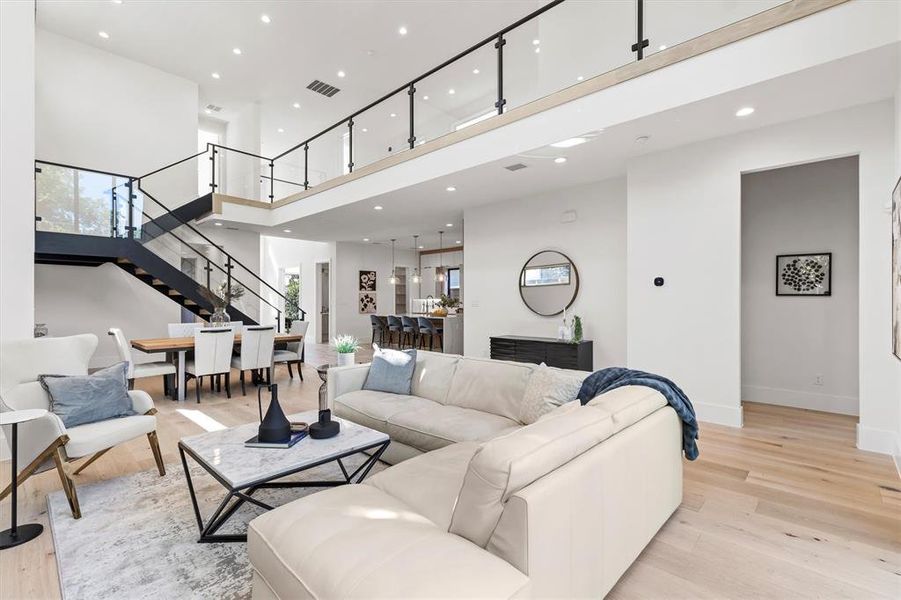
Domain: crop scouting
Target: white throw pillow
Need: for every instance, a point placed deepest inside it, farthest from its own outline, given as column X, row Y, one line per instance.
column 547, row 389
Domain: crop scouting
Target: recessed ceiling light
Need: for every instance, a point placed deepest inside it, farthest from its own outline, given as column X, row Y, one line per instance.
column 459, row 242
column 448, row 224
column 451, row 188
column 265, row 19
column 365, row 130
column 451, row 91
column 341, row 74
column 580, row 78
column 661, row 47
column 286, row 230
column 393, row 115
column 236, row 50
column 475, row 71
column 642, row 139
column 421, row 247
column 215, row 75
column 103, row 34
column 116, row 1
column 425, row 97
column 420, row 142
column 535, row 42
column 569, row 143
column 280, row 130
column 208, row 111
column 537, row 49
column 296, row 105
column 402, row 30
column 217, row 224
column 377, row 207
column 744, row 112
column 365, row 239
column 560, row 160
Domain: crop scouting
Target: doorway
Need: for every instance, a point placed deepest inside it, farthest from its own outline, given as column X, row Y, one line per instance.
column 322, row 286
column 799, row 286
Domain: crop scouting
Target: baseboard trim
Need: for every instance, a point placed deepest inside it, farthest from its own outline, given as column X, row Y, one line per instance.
column 731, row 416
column 843, row 405
column 883, row 441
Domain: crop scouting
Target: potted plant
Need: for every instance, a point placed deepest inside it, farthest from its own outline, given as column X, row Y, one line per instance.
column 221, row 298
column 447, row 305
column 347, row 346
column 577, row 329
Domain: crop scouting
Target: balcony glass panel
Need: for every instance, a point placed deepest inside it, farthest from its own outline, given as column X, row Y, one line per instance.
column 382, row 131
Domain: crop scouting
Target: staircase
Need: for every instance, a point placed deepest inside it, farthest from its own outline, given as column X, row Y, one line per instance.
column 87, row 218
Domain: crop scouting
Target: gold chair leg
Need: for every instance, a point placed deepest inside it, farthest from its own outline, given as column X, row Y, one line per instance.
column 85, row 464
column 37, row 462
column 68, row 484
column 157, row 455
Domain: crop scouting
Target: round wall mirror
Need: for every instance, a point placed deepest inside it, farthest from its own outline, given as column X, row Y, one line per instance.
column 548, row 283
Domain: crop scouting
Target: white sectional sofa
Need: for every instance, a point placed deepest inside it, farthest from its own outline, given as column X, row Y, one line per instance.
column 487, row 505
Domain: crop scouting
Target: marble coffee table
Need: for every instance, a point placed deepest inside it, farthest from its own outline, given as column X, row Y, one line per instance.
column 242, row 471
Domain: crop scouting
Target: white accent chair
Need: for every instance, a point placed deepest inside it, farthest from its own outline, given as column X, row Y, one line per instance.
column 294, row 353
column 160, row 368
column 212, row 356
column 46, row 441
column 257, row 346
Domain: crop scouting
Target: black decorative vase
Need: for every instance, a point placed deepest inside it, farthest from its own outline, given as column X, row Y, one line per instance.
column 274, row 428
column 325, row 427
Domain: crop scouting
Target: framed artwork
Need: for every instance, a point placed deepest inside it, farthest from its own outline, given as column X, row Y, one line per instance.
column 896, row 270
column 367, row 281
column 804, row 274
column 367, row 303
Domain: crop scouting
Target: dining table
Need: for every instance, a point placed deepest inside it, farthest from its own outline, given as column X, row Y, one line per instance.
column 180, row 346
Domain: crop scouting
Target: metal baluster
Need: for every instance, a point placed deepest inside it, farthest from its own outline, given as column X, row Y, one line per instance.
column 306, row 172
column 412, row 139
column 501, row 42
column 131, row 209
column 213, row 170
column 271, row 181
column 350, row 144
column 642, row 43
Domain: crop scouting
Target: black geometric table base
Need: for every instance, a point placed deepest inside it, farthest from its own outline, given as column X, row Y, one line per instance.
column 23, row 533
column 238, row 496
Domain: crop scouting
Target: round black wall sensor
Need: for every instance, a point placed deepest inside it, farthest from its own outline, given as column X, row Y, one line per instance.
column 658, row 281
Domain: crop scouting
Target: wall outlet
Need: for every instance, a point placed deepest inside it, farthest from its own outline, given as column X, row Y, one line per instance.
column 818, row 380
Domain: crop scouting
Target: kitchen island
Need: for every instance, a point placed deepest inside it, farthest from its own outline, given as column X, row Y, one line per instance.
column 453, row 331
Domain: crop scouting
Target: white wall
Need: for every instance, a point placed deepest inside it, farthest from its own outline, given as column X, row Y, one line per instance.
column 279, row 254
column 500, row 237
column 17, row 168
column 348, row 260
column 684, row 223
column 799, row 351
column 242, row 173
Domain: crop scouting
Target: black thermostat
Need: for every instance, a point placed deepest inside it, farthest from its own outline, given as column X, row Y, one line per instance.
column 658, row 281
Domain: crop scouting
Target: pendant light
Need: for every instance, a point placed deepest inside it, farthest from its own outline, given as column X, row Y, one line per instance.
column 393, row 279
column 440, row 276
column 416, row 277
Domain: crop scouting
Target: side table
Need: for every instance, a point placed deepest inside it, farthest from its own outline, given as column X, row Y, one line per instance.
column 18, row 534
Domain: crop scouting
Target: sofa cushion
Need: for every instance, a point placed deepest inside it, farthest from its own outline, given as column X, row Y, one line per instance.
column 439, row 425
column 547, row 389
column 356, row 541
column 429, row 483
column 373, row 409
column 391, row 371
column 492, row 386
column 94, row 437
column 505, row 465
column 433, row 374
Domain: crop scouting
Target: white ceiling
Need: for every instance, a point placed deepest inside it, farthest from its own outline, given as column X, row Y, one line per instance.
column 304, row 41
column 425, row 208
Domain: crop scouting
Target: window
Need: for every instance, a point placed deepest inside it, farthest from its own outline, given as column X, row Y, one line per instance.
column 543, row 275
column 452, row 283
column 292, row 294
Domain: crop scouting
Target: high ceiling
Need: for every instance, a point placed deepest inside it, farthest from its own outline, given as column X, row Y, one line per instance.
column 303, row 41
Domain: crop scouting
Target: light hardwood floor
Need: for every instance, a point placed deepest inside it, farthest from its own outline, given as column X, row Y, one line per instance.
column 785, row 507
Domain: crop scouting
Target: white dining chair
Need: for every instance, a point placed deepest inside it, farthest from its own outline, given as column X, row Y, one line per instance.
column 257, row 345
column 182, row 329
column 294, row 353
column 141, row 370
column 212, row 356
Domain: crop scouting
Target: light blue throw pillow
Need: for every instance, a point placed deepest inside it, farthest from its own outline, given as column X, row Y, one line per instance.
column 391, row 371
column 82, row 399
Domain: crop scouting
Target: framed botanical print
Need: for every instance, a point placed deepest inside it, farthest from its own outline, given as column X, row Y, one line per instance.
column 804, row 274
column 367, row 281
column 367, row 303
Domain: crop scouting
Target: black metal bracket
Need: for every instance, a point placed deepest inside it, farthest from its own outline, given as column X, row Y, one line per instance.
column 501, row 101
column 642, row 43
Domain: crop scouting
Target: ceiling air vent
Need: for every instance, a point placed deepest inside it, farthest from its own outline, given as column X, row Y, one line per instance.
column 323, row 88
column 515, row 167
column 213, row 107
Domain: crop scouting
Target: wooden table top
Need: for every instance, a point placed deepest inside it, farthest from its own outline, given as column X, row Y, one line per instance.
column 180, row 344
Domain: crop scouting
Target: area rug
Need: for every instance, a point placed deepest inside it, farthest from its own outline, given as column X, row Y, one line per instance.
column 137, row 537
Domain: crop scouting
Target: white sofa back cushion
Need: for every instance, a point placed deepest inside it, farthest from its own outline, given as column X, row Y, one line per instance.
column 507, row 464
column 491, row 386
column 547, row 389
column 433, row 375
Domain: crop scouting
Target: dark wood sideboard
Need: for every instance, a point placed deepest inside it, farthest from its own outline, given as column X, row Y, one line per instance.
column 550, row 351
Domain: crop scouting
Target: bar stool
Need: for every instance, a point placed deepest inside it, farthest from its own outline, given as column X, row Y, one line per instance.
column 411, row 331
column 428, row 328
column 379, row 327
column 395, row 325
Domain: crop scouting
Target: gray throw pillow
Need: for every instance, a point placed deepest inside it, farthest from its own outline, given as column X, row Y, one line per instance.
column 391, row 371
column 84, row 399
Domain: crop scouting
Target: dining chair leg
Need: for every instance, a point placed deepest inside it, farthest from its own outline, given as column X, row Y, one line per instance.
column 165, row 386
column 300, row 369
column 157, row 455
column 228, row 385
column 198, row 384
column 268, row 375
column 243, row 389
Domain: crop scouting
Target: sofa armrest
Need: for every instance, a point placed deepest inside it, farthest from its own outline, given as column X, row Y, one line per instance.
column 342, row 380
column 141, row 401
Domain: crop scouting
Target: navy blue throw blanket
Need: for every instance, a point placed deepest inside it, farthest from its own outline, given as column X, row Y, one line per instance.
column 608, row 379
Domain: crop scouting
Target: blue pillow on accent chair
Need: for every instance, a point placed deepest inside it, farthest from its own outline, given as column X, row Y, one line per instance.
column 391, row 371
column 82, row 399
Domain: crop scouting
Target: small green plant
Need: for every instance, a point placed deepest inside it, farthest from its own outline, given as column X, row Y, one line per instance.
column 577, row 329
column 346, row 344
column 448, row 302
column 223, row 295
